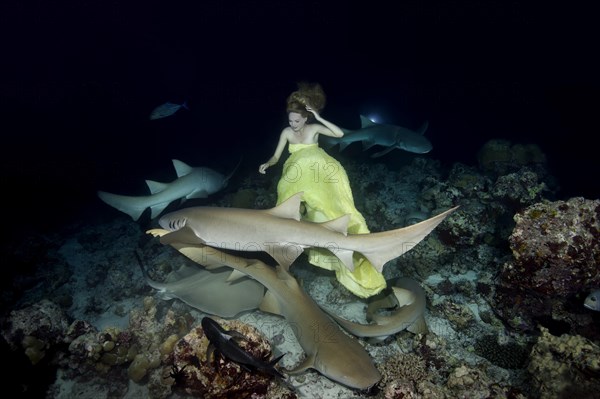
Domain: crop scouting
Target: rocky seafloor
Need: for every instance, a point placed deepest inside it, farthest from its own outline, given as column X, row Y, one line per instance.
column 505, row 277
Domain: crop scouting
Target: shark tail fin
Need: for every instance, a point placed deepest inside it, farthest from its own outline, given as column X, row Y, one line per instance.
column 270, row 367
column 388, row 245
column 124, row 203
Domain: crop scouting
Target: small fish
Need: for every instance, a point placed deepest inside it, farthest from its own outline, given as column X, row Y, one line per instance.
column 167, row 109
column 592, row 301
column 222, row 342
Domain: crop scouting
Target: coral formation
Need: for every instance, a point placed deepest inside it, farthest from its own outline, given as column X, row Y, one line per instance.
column 508, row 355
column 565, row 366
column 125, row 344
column 191, row 372
column 36, row 328
column 556, row 253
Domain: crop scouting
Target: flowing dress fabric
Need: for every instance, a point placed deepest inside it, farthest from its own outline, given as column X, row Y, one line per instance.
column 327, row 195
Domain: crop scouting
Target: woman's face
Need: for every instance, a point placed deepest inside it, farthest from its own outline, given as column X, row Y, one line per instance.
column 296, row 121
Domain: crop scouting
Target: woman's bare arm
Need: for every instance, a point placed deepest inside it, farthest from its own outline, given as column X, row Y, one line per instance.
column 283, row 139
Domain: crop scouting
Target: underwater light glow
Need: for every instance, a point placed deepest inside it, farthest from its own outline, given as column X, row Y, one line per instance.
column 374, row 118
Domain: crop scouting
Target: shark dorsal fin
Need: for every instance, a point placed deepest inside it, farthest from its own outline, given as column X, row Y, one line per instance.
column 339, row 225
column 423, row 127
column 270, row 304
column 405, row 297
column 288, row 209
column 156, row 186
column 366, row 122
column 181, row 168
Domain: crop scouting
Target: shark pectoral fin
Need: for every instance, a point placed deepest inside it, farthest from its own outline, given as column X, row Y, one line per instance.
column 339, row 225
column 184, row 235
column 270, row 304
column 157, row 232
column 288, row 209
column 345, row 256
column 156, row 186
column 157, row 209
column 304, row 365
column 343, row 145
column 419, row 326
column 197, row 194
column 382, row 153
column 368, row 144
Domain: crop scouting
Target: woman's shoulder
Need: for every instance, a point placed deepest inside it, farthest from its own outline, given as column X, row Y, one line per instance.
column 286, row 131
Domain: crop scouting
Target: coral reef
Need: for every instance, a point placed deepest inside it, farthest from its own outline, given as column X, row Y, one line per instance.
column 509, row 355
column 36, row 328
column 149, row 352
column 556, row 253
column 191, row 372
column 110, row 335
column 565, row 366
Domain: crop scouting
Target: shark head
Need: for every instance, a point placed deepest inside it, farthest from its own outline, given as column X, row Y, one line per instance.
column 415, row 143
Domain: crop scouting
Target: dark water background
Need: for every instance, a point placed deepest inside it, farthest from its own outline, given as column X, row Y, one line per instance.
column 81, row 78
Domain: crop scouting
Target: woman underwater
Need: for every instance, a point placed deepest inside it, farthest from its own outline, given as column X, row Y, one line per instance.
column 327, row 192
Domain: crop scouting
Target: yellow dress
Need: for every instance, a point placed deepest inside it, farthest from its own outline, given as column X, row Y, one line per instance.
column 327, row 195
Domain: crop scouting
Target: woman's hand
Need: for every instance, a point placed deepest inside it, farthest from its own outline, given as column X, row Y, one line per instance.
column 312, row 111
column 263, row 168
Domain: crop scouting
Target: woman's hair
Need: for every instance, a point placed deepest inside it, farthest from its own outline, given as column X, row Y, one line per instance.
column 307, row 94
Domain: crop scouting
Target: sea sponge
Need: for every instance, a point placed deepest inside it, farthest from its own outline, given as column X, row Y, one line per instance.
column 34, row 348
column 138, row 368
